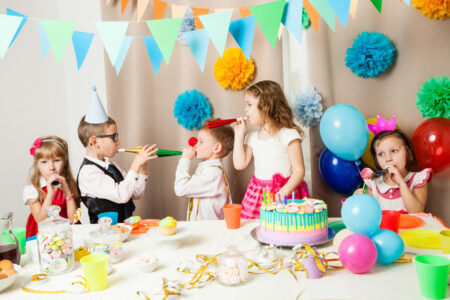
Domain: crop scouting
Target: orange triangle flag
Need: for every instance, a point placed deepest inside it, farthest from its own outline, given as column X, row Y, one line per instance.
column 313, row 14
column 124, row 5
column 244, row 11
column 198, row 12
column 158, row 9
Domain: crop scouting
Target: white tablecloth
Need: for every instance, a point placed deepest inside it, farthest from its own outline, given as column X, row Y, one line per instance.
column 395, row 281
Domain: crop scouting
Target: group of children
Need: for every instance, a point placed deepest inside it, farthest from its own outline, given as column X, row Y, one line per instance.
column 275, row 147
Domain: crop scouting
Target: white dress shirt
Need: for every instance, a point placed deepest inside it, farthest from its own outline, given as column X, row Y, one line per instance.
column 94, row 183
column 207, row 184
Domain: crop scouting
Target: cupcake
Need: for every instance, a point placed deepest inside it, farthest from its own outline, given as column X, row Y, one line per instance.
column 168, row 226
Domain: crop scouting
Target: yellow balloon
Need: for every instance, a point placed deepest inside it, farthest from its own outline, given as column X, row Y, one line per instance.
column 367, row 156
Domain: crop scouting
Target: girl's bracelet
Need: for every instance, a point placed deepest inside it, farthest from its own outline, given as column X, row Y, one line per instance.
column 68, row 198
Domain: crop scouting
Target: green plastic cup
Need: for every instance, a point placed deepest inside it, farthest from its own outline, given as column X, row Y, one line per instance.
column 432, row 272
column 19, row 233
column 445, row 241
column 95, row 270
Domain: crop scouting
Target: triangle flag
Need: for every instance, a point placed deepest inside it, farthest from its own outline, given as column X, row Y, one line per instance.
column 198, row 41
column 11, row 12
column 292, row 18
column 158, row 9
column 81, row 43
column 408, row 2
column 141, row 7
column 377, row 4
column 123, row 53
column 8, row 28
column 59, row 34
column 353, row 7
column 197, row 12
column 325, row 11
column 112, row 34
column 244, row 11
column 242, row 31
column 313, row 14
column 165, row 32
column 123, row 5
column 45, row 45
column 178, row 10
column 217, row 25
column 341, row 9
column 154, row 53
column 269, row 16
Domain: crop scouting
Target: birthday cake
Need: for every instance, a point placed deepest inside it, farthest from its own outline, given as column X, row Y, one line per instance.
column 297, row 222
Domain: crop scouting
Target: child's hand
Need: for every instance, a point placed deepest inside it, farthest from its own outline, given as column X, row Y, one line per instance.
column 359, row 192
column 394, row 174
column 188, row 152
column 240, row 128
column 50, row 188
column 280, row 195
column 145, row 155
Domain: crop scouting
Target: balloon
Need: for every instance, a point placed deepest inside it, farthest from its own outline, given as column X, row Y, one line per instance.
column 358, row 253
column 340, row 236
column 431, row 142
column 344, row 131
column 389, row 245
column 361, row 214
column 341, row 175
column 367, row 157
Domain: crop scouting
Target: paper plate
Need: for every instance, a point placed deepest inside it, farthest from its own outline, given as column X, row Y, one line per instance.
column 337, row 226
column 145, row 225
column 410, row 221
column 421, row 238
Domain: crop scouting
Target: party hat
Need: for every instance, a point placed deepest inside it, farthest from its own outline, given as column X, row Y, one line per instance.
column 96, row 113
column 383, row 125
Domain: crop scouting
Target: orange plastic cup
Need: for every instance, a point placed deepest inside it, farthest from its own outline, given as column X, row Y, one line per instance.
column 232, row 214
column 390, row 220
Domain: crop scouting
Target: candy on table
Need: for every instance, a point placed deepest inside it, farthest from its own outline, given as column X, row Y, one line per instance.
column 55, row 252
column 233, row 274
column 133, row 221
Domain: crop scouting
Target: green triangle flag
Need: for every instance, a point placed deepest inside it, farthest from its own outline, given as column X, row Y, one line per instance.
column 269, row 17
column 217, row 26
column 165, row 32
column 112, row 35
column 377, row 4
column 325, row 11
column 59, row 34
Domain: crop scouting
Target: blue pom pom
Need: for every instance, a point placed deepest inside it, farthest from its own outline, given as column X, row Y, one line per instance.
column 191, row 109
column 371, row 54
column 307, row 107
column 187, row 24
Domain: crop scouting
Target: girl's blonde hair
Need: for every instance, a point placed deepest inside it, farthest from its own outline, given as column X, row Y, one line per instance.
column 52, row 146
column 274, row 108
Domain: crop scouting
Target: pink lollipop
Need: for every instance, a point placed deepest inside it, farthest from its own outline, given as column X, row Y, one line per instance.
column 77, row 216
column 366, row 173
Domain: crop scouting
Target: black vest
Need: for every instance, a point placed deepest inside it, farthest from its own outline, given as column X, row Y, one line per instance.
column 97, row 205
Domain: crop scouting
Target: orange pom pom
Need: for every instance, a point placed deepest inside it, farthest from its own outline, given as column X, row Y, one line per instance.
column 434, row 9
column 234, row 70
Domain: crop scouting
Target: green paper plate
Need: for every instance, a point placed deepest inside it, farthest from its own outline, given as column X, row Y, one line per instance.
column 337, row 226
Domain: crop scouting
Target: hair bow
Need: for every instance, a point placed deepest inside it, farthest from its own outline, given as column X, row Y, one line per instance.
column 36, row 144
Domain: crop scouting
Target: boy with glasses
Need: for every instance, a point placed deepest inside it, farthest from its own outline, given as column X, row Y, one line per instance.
column 102, row 185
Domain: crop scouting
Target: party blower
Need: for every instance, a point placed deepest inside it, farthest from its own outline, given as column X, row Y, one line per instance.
column 159, row 153
column 218, row 123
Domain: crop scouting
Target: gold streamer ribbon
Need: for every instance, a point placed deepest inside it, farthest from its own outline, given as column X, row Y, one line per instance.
column 255, row 264
column 403, row 260
column 41, row 277
column 202, row 270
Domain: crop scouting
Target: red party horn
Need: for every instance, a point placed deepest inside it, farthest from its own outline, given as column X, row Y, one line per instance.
column 193, row 141
column 218, row 123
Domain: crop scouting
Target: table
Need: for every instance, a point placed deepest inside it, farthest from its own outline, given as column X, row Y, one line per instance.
column 395, row 281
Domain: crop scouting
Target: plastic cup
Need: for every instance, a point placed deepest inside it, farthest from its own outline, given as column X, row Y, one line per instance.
column 445, row 241
column 232, row 214
column 19, row 233
column 95, row 270
column 432, row 272
column 390, row 220
column 110, row 214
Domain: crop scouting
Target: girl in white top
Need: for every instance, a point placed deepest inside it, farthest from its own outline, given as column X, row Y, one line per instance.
column 276, row 147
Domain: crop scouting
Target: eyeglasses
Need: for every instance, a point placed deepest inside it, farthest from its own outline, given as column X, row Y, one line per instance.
column 114, row 136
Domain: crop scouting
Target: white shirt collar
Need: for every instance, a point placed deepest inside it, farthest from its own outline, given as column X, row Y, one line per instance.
column 211, row 162
column 103, row 163
column 384, row 187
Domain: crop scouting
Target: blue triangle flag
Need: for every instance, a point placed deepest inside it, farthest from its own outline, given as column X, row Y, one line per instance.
column 154, row 53
column 198, row 41
column 242, row 31
column 81, row 43
column 292, row 18
column 45, row 44
column 24, row 20
column 341, row 8
column 123, row 53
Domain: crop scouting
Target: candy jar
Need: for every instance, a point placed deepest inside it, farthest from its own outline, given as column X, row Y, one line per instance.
column 233, row 267
column 55, row 243
column 106, row 240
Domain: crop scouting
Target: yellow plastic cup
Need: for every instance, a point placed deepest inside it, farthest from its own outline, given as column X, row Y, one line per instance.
column 445, row 241
column 95, row 270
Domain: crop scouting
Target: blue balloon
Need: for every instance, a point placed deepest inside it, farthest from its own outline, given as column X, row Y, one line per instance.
column 390, row 246
column 361, row 214
column 340, row 174
column 344, row 131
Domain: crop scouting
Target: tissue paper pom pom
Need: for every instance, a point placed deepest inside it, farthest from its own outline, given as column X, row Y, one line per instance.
column 433, row 98
column 433, row 8
column 191, row 109
column 233, row 69
column 187, row 24
column 307, row 107
column 306, row 22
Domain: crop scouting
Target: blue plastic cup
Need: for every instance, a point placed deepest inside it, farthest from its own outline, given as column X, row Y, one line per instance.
column 110, row 214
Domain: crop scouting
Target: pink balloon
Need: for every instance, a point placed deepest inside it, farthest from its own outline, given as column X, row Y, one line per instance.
column 358, row 253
